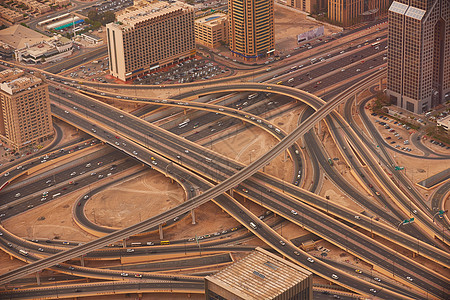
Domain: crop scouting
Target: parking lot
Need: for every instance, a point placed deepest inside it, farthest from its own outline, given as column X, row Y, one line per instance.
column 188, row 71
column 103, row 7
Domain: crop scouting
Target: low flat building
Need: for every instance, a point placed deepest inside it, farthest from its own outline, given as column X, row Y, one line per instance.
column 211, row 31
column 260, row 275
column 18, row 36
column 92, row 39
column 25, row 116
column 35, row 6
column 51, row 49
column 10, row 15
column 444, row 122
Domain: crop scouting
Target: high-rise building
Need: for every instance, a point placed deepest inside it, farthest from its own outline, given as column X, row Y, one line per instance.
column 150, row 35
column 350, row 12
column 25, row 116
column 251, row 33
column 419, row 54
column 260, row 275
column 309, row 6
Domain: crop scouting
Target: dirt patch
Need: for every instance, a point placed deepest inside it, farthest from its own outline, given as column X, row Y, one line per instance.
column 134, row 200
column 289, row 23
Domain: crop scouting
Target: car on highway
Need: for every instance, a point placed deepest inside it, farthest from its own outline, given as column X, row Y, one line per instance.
column 293, row 212
column 130, row 250
column 377, row 279
column 6, row 174
column 377, row 193
column 73, row 173
column 409, row 278
column 282, row 243
column 124, row 274
column 310, row 259
column 138, row 275
column 358, row 271
column 334, row 276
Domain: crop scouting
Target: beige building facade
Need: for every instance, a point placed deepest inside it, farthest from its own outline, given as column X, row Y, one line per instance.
column 148, row 36
column 350, row 12
column 211, row 31
column 251, row 34
column 419, row 54
column 25, row 115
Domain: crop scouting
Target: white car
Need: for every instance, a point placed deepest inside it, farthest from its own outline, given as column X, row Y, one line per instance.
column 293, row 212
column 334, row 276
column 310, row 259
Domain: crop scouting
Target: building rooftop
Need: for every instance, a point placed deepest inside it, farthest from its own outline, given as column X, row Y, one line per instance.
column 18, row 36
column 143, row 10
column 260, row 275
column 211, row 19
column 9, row 74
column 14, row 81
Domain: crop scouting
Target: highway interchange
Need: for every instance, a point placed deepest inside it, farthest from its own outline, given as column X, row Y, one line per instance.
column 168, row 154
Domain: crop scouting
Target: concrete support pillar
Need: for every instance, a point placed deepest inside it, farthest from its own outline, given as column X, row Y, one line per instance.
column 38, row 278
column 231, row 192
column 82, row 260
column 319, row 127
column 184, row 111
column 161, row 235
column 193, row 216
column 124, row 243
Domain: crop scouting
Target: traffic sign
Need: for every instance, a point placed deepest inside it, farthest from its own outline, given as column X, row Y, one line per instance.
column 397, row 168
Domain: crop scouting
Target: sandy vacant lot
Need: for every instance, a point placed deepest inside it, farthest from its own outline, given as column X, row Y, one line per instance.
column 134, row 200
column 289, row 23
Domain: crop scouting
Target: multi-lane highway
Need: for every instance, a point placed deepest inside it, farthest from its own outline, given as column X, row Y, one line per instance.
column 194, row 158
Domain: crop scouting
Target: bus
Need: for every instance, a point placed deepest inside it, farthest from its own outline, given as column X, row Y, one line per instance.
column 184, row 123
column 252, row 96
column 136, row 244
column 376, row 44
column 165, row 242
column 56, row 195
column 23, row 252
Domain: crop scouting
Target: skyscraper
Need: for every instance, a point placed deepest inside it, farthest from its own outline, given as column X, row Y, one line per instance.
column 150, row 35
column 25, row 116
column 419, row 54
column 251, row 34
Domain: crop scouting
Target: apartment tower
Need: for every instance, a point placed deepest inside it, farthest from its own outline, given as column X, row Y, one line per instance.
column 251, row 34
column 150, row 35
column 25, row 116
column 419, row 54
